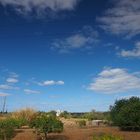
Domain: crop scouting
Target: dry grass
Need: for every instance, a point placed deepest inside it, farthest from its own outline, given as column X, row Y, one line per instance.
column 26, row 113
column 2, row 118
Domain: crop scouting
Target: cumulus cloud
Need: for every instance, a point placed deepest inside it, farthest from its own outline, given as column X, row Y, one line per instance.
column 28, row 91
column 12, row 80
column 123, row 18
column 7, row 87
column 83, row 39
column 40, row 6
column 4, row 94
column 135, row 53
column 51, row 83
column 115, row 81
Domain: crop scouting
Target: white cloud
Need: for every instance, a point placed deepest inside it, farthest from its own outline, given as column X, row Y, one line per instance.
column 60, row 82
column 51, row 83
column 28, row 91
column 83, row 39
column 128, row 97
column 4, row 94
column 12, row 80
column 40, row 6
column 115, row 81
column 131, row 53
column 13, row 75
column 123, row 18
column 7, row 87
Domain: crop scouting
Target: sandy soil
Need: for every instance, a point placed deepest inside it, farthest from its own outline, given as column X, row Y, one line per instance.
column 25, row 134
column 79, row 134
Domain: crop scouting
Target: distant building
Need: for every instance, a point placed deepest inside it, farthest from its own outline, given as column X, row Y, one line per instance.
column 97, row 122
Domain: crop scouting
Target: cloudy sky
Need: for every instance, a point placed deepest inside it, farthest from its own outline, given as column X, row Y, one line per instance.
column 74, row 55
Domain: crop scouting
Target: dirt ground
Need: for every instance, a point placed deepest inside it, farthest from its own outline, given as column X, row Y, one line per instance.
column 25, row 134
column 74, row 133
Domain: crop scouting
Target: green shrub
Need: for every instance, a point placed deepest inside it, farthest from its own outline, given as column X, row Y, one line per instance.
column 7, row 127
column 65, row 114
column 46, row 124
column 107, row 137
column 21, row 122
column 51, row 113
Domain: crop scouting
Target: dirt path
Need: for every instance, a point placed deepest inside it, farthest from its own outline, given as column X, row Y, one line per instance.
column 25, row 134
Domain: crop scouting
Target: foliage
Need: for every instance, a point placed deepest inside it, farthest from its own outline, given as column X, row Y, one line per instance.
column 95, row 116
column 81, row 123
column 126, row 113
column 65, row 114
column 107, row 137
column 52, row 113
column 7, row 127
column 46, row 124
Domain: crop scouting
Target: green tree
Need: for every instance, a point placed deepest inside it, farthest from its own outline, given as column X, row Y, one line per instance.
column 46, row 124
column 126, row 113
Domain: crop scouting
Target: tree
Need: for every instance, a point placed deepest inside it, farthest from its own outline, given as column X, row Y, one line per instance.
column 46, row 124
column 126, row 113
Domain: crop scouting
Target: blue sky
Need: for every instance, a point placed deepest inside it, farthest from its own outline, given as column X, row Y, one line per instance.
column 74, row 55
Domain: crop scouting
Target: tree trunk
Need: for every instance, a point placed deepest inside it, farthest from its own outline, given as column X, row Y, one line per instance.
column 4, row 136
column 45, row 135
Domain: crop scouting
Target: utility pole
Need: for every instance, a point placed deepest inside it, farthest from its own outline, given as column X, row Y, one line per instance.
column 4, row 105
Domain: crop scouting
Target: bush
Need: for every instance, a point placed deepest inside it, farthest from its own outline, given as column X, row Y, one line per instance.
column 52, row 113
column 126, row 113
column 107, row 137
column 65, row 114
column 7, row 127
column 81, row 123
column 46, row 124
